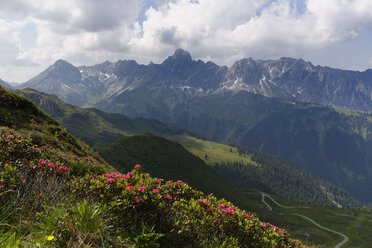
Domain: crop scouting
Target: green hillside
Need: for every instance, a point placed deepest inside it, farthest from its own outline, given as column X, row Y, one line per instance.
column 278, row 177
column 94, row 127
column 355, row 223
column 169, row 160
column 98, row 128
column 34, row 227
column 321, row 140
column 54, row 192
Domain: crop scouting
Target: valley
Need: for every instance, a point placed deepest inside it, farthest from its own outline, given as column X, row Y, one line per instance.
column 196, row 96
column 270, row 174
column 248, row 199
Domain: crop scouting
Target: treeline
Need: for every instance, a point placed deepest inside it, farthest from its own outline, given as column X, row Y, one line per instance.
column 278, row 177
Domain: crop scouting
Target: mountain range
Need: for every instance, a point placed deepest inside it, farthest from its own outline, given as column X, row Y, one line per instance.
column 285, row 78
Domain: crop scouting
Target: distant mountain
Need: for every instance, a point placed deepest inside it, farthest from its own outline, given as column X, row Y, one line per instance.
column 67, row 82
column 286, row 78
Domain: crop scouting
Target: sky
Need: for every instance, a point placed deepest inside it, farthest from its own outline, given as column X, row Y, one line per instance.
column 36, row 33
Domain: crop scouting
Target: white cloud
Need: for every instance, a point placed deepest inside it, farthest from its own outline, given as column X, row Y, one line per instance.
column 81, row 31
column 226, row 30
column 91, row 31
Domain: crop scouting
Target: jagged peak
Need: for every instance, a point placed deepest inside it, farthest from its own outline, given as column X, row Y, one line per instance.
column 242, row 62
column 62, row 65
column 180, row 53
column 179, row 57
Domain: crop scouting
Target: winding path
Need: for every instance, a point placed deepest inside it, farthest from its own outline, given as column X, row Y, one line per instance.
column 346, row 238
column 280, row 205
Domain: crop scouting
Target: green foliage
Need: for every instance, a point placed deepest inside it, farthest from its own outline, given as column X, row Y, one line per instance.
column 131, row 199
column 94, row 127
column 70, row 226
column 276, row 176
column 89, row 217
column 163, row 158
column 17, row 111
column 148, row 237
column 10, row 240
column 185, row 216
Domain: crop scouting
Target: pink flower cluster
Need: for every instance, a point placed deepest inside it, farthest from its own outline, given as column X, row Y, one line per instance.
column 268, row 225
column 116, row 176
column 168, row 196
column 110, row 180
column 138, row 190
column 51, row 165
column 141, row 188
column 226, row 209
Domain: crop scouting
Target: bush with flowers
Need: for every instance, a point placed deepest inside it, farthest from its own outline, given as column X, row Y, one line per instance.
column 185, row 216
column 42, row 175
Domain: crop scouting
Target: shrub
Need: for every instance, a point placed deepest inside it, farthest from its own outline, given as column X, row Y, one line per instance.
column 184, row 215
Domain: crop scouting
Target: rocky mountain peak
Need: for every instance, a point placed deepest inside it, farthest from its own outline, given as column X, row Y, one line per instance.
column 63, row 67
column 62, row 63
column 179, row 58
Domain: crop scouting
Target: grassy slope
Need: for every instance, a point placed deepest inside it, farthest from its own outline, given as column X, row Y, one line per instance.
column 94, row 127
column 163, row 158
column 61, row 142
column 216, row 152
column 20, row 113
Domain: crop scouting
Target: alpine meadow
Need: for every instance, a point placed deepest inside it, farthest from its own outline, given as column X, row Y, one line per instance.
column 185, row 123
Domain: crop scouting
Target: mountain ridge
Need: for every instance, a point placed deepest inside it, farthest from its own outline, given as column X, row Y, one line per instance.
column 287, row 78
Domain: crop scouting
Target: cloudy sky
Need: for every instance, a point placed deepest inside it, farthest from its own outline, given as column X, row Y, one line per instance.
column 36, row 33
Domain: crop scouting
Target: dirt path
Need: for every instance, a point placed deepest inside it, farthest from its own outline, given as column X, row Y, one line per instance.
column 346, row 238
